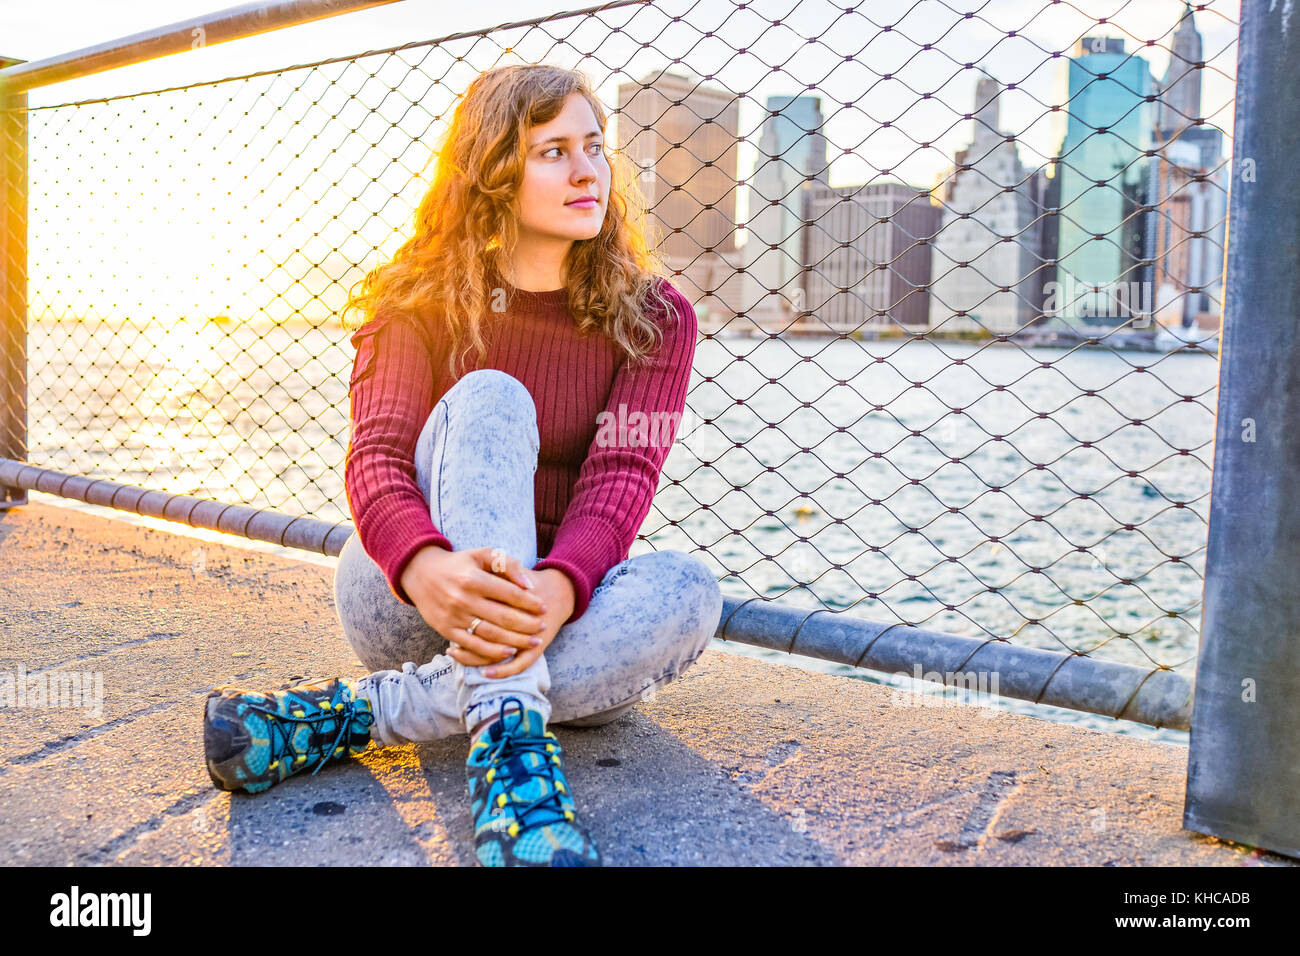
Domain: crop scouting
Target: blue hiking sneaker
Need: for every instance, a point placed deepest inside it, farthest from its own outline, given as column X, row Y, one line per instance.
column 522, row 811
column 253, row 739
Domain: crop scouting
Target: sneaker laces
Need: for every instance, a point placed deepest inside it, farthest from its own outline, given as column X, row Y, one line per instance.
column 276, row 721
column 514, row 744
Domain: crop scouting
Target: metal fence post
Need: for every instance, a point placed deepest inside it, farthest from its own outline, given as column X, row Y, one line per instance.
column 13, row 282
column 1243, row 774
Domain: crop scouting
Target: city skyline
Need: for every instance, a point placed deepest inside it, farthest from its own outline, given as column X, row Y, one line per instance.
column 1010, row 237
column 919, row 133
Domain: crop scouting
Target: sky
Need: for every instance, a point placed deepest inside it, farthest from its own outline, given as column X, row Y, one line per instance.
column 220, row 199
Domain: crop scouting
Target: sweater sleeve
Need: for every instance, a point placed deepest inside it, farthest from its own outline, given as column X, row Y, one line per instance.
column 391, row 389
column 618, row 480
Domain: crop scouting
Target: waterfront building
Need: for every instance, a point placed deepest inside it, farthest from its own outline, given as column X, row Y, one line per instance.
column 1106, row 213
column 868, row 257
column 986, row 264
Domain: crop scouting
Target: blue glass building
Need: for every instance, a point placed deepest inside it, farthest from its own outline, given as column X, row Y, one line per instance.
column 1104, row 276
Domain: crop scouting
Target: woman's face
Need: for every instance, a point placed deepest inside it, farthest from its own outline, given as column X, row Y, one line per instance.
column 566, row 162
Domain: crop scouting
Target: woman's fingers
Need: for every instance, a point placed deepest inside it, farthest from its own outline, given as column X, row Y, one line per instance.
column 510, row 582
column 468, row 658
column 522, row 660
column 495, row 634
column 507, row 592
column 504, row 617
column 490, row 640
column 504, row 564
column 483, row 645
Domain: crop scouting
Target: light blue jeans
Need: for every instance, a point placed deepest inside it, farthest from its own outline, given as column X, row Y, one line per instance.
column 650, row 617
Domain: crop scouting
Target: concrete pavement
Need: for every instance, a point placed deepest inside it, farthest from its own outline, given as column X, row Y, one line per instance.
column 738, row 762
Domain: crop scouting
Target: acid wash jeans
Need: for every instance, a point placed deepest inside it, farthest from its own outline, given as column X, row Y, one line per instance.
column 650, row 617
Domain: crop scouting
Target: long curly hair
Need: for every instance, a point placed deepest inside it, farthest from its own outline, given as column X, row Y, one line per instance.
column 467, row 225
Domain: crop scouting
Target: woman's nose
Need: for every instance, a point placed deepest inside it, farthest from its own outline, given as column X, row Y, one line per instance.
column 584, row 170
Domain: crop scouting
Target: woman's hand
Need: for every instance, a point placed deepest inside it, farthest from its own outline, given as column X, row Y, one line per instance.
column 451, row 588
column 556, row 591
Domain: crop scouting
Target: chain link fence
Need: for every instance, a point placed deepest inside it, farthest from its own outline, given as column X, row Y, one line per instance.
column 958, row 270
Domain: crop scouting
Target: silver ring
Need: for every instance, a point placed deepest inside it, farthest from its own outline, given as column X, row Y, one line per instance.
column 475, row 623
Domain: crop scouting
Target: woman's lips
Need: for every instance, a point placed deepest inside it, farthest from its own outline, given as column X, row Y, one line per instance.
column 582, row 204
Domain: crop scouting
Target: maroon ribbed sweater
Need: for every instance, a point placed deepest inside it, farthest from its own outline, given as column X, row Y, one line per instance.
column 590, row 497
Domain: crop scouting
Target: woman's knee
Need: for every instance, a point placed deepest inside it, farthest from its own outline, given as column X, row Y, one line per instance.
column 669, row 598
column 494, row 387
column 698, row 600
column 654, row 616
column 382, row 631
column 493, row 403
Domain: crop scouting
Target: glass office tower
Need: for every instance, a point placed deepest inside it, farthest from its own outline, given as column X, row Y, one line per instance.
column 1105, row 180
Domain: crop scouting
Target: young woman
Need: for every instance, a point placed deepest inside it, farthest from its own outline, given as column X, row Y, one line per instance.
column 461, row 472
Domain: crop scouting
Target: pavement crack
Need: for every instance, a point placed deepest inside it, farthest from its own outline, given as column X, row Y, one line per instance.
column 979, row 822
column 777, row 756
column 53, row 747
column 130, row 836
column 151, row 638
column 905, row 817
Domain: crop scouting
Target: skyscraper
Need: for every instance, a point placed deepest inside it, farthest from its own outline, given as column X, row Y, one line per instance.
column 683, row 132
column 1190, row 195
column 1180, row 92
column 1106, row 182
column 872, row 240
column 792, row 156
column 986, row 271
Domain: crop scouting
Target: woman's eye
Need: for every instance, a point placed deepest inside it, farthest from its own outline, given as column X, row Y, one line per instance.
column 554, row 149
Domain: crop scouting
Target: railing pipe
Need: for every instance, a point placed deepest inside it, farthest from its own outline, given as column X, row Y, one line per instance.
column 218, row 27
column 1155, row 696
column 306, row 534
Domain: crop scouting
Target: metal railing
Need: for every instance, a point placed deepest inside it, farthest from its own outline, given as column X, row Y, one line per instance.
column 958, row 378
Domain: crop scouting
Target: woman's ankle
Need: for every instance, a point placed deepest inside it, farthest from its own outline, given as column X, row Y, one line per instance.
column 482, row 726
column 479, row 717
